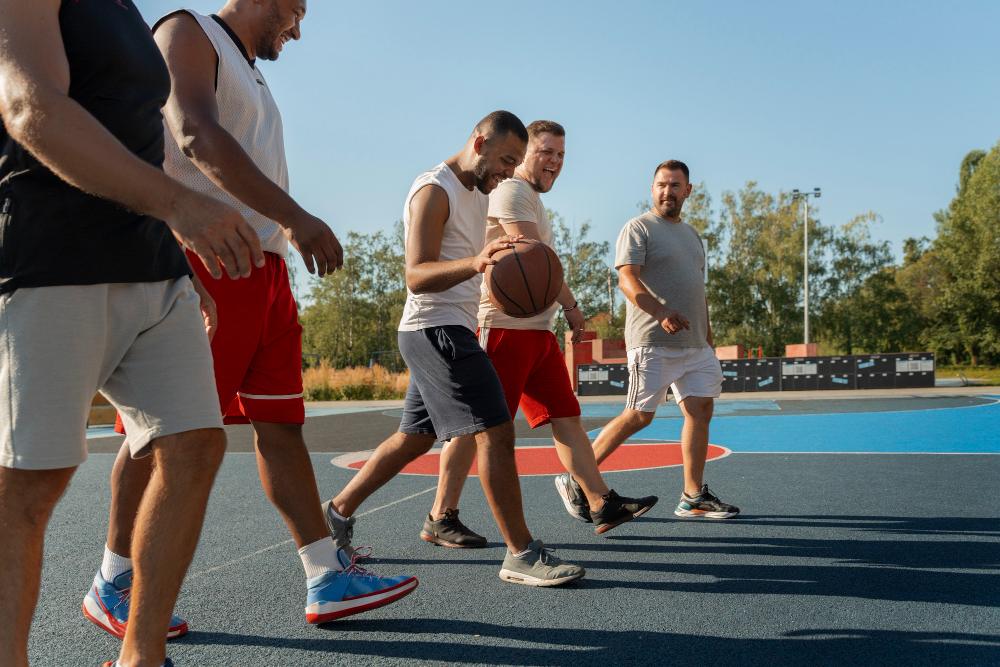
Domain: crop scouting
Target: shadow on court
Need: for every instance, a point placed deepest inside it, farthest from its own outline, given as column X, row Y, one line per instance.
column 471, row 643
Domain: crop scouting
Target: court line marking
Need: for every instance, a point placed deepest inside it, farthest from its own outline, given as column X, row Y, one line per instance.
column 889, row 453
column 289, row 541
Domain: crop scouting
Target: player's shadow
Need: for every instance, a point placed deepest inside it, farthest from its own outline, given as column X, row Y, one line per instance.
column 446, row 640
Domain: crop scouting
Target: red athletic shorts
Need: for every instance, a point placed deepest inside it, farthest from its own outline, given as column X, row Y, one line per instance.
column 532, row 372
column 257, row 349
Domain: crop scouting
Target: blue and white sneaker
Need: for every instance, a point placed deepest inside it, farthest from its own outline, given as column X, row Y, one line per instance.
column 335, row 595
column 107, row 605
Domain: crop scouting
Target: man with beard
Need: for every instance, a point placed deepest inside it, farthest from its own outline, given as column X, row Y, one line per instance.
column 526, row 356
column 661, row 268
column 228, row 144
column 454, row 390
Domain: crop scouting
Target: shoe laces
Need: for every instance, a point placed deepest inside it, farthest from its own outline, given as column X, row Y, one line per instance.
column 450, row 516
column 354, row 570
column 547, row 556
column 124, row 596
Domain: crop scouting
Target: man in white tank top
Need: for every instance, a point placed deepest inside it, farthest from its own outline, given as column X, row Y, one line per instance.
column 454, row 389
column 224, row 139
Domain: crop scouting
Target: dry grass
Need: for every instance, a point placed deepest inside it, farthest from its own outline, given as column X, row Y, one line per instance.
column 325, row 383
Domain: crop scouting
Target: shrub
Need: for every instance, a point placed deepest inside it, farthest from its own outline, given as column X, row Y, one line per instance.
column 358, row 383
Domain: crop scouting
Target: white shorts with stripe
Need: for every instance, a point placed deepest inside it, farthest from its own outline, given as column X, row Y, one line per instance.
column 689, row 371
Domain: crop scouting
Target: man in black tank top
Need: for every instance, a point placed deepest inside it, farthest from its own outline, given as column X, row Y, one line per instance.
column 95, row 293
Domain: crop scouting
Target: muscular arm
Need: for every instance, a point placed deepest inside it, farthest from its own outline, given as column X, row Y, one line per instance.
column 636, row 292
column 39, row 114
column 425, row 273
column 192, row 114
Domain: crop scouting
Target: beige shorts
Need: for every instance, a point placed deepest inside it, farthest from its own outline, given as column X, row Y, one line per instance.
column 143, row 345
column 689, row 371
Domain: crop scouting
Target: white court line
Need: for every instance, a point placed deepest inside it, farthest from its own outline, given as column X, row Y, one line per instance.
column 281, row 544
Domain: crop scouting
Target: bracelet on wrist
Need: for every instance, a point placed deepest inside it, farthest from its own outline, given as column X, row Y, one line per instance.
column 573, row 307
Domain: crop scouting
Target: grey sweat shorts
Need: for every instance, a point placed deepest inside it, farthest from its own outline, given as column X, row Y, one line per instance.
column 142, row 345
column 454, row 389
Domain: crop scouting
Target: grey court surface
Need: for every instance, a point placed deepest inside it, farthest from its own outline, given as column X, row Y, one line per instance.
column 838, row 559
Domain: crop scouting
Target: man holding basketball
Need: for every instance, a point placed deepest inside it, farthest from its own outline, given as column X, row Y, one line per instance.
column 661, row 268
column 527, row 358
column 454, row 390
column 227, row 143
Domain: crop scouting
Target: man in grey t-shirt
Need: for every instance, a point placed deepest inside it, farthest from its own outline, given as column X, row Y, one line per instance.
column 661, row 265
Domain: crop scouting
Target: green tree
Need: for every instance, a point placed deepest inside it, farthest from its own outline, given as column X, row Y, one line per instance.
column 585, row 269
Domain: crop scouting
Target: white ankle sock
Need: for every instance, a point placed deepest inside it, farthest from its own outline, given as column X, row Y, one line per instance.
column 114, row 565
column 320, row 557
column 336, row 515
column 522, row 554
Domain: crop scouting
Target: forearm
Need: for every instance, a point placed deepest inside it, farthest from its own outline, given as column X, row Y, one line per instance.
column 431, row 277
column 80, row 150
column 566, row 298
column 637, row 293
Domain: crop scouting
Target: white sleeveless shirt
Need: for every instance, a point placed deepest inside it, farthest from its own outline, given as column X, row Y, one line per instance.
column 464, row 236
column 247, row 112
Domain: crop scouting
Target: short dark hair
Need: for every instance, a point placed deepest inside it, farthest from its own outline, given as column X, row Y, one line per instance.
column 543, row 126
column 673, row 165
column 501, row 123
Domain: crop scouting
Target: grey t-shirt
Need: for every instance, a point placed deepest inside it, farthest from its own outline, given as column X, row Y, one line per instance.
column 673, row 270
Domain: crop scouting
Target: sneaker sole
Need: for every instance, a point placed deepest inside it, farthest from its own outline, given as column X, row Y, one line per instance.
column 528, row 580
column 608, row 526
column 93, row 612
column 331, row 611
column 570, row 507
column 445, row 543
column 703, row 514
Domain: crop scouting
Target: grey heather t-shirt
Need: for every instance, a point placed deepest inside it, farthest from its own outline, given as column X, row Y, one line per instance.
column 673, row 270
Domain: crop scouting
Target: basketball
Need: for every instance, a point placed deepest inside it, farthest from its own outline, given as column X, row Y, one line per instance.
column 526, row 279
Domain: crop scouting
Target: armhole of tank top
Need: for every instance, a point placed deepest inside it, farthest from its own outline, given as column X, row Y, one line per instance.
column 215, row 47
column 428, row 182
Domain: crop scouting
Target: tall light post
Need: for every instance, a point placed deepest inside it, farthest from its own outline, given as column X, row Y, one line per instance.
column 804, row 196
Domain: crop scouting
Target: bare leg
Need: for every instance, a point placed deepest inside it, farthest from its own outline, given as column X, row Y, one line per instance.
column 576, row 454
column 286, row 473
column 129, row 479
column 498, row 473
column 390, row 457
column 694, row 440
column 166, row 534
column 457, row 456
column 618, row 430
column 27, row 498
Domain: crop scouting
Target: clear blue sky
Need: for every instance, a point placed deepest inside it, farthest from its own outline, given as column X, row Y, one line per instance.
column 876, row 103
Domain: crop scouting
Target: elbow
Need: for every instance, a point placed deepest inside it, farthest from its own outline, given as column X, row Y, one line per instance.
column 416, row 286
column 21, row 118
column 191, row 142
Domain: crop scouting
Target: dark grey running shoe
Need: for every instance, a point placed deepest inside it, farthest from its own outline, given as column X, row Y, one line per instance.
column 539, row 567
column 573, row 497
column 448, row 531
column 705, row 505
column 340, row 531
column 618, row 510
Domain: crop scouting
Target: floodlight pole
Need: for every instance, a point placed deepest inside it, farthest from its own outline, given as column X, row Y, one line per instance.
column 805, row 197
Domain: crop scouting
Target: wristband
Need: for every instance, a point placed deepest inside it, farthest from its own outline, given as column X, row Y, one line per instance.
column 573, row 307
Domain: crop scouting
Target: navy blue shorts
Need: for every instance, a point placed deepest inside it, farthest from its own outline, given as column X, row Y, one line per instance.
column 454, row 389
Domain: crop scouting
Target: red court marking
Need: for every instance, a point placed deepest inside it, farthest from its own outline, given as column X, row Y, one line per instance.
column 544, row 461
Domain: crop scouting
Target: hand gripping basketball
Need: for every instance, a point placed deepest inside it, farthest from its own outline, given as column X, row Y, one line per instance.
column 525, row 278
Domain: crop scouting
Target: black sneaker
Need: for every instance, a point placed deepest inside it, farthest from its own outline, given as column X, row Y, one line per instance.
column 450, row 532
column 705, row 505
column 618, row 510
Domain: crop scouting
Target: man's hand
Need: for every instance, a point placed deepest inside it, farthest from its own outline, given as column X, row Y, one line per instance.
column 314, row 240
column 485, row 258
column 577, row 323
column 217, row 233
column 672, row 321
column 208, row 309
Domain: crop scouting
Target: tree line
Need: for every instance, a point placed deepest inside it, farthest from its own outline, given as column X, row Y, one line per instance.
column 944, row 296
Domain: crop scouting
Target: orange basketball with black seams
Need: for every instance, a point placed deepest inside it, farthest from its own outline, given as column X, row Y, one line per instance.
column 526, row 279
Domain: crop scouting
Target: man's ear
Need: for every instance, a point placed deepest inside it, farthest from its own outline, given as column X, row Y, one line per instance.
column 478, row 145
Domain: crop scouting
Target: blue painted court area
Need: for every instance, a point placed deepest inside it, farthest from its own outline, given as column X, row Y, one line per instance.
column 598, row 410
column 973, row 429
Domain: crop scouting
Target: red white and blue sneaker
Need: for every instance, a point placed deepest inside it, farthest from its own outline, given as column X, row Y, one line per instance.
column 114, row 663
column 334, row 595
column 107, row 605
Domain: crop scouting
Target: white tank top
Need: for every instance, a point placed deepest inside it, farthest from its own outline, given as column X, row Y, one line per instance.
column 464, row 236
column 247, row 112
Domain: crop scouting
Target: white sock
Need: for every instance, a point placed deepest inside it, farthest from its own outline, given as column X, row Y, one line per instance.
column 522, row 554
column 114, row 565
column 320, row 557
column 336, row 515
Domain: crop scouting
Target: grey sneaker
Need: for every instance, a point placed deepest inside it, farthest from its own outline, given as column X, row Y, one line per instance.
column 340, row 531
column 539, row 567
column 573, row 497
column 449, row 531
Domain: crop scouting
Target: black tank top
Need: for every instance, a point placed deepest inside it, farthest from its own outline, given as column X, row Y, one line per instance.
column 52, row 233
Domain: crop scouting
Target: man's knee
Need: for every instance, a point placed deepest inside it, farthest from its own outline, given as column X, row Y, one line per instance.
column 413, row 444
column 33, row 493
column 698, row 408
column 498, row 436
column 192, row 452
column 638, row 419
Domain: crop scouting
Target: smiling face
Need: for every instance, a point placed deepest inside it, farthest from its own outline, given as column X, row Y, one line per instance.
column 543, row 161
column 670, row 190
column 497, row 158
column 280, row 24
